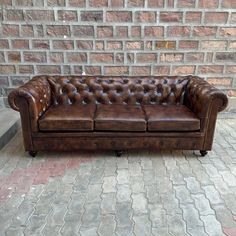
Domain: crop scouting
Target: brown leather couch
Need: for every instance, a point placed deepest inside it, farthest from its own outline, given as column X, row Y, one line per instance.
column 117, row 113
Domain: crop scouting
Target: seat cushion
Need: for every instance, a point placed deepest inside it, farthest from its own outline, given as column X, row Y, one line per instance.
column 171, row 118
column 120, row 118
column 68, row 118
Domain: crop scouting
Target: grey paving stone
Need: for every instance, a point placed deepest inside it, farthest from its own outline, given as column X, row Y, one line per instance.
column 123, row 214
column 109, row 184
column 158, row 215
column 211, row 170
column 122, row 163
column 230, row 201
column 170, row 204
column 124, row 231
column 229, row 178
column 51, row 230
column 176, row 225
column 149, row 177
column 123, row 176
column 139, row 204
column 12, row 231
column 107, row 225
column 193, row 185
column 91, row 216
column 146, row 164
column 202, row 204
column 35, row 224
column 123, row 193
column 197, row 231
column 108, row 203
column 142, row 225
column 89, row 232
column 161, row 231
column 212, row 195
column 135, row 169
column 221, row 186
column 182, row 193
column 93, row 193
column 137, row 184
column 153, row 194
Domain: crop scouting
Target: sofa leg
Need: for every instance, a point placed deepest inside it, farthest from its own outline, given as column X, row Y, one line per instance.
column 203, row 153
column 118, row 153
column 33, row 153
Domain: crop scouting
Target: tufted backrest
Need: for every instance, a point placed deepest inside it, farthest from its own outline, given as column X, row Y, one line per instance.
column 117, row 90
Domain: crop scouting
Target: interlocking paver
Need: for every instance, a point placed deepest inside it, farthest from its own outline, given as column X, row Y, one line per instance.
column 169, row 193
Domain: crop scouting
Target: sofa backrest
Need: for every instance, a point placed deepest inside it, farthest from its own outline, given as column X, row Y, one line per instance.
column 117, row 90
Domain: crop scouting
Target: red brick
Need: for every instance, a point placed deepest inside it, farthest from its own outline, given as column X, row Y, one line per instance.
column 130, row 57
column 135, row 3
column 119, row 58
column 4, row 43
column 6, row 2
column 83, row 30
column 119, row 16
column 186, row 3
column 63, row 44
column 228, row 3
column 77, row 3
column 214, row 45
column 7, row 69
column 56, row 57
column 166, row 44
column 27, row 31
column 116, row 70
column 220, row 81
column 233, row 17
column 96, row 16
column 39, row 15
column 20, row 43
column 171, row 57
column 161, row 70
column 188, row 44
column 232, row 93
column 154, row 31
column 26, row 69
column 193, row 17
column 99, row 45
column 105, row 31
column 84, row 44
column 67, row 15
column 24, row 2
column 228, row 31
column 134, row 45
column 170, row 3
column 96, row 3
column 2, row 57
column 14, row 56
column 58, row 30
column 231, row 69
column 4, row 83
column 155, row 3
column 10, row 30
column 183, row 70
column 148, row 45
column 178, row 31
column 210, row 69
column 226, row 56
column 208, row 4
column 146, row 57
column 114, row 45
column 14, row 15
column 41, row 44
column 121, row 31
column 92, row 70
column 145, row 16
column 171, row 17
column 117, row 3
column 77, row 57
column 204, row 31
column 135, row 31
column 36, row 57
column 216, row 17
column 141, row 70
column 194, row 56
column 101, row 58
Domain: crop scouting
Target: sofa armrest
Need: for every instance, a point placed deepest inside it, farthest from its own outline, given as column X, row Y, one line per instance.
column 37, row 94
column 200, row 96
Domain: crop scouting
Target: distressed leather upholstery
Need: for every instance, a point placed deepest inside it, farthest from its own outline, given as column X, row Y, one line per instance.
column 101, row 112
column 171, row 118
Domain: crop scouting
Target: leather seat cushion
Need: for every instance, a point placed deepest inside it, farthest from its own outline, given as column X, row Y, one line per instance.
column 68, row 118
column 120, row 118
column 171, row 118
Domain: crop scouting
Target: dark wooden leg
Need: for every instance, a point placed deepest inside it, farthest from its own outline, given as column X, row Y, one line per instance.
column 33, row 153
column 118, row 153
column 203, row 153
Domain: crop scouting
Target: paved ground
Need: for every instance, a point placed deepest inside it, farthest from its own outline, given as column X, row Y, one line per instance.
column 169, row 193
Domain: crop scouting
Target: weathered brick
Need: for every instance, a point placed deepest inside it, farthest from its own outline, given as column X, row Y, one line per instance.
column 95, row 3
column 63, row 44
column 83, row 30
column 99, row 45
column 114, row 45
column 101, row 57
column 210, row 69
column 2, row 57
column 10, row 30
column 231, row 69
column 55, row 3
column 105, row 31
column 171, row 57
column 135, row 3
column 4, row 43
column 92, row 70
column 208, row 4
column 153, row 31
column 77, row 3
column 148, row 45
column 194, row 56
column 18, row 81
column 20, row 43
column 7, row 69
column 178, row 31
column 228, row 31
column 48, row 69
column 166, row 44
column 146, row 57
column 140, row 70
column 204, row 31
column 213, row 45
column 39, row 15
column 119, row 58
column 58, row 30
column 193, row 17
column 84, row 44
column 216, row 17
column 67, row 15
column 156, row 3
column 228, row 3
column 76, row 57
column 4, row 81
column 171, row 17
column 117, row 3
column 96, row 16
column 134, row 45
column 186, row 3
column 6, row 2
column 27, row 30
column 136, row 31
column 56, row 57
column 183, row 70
column 14, row 15
column 226, row 56
column 26, row 69
column 220, row 81
column 24, row 2
column 145, row 16
column 119, row 16
column 233, row 17
column 188, row 44
column 161, row 70
column 232, row 93
column 116, row 70
column 41, row 44
column 121, row 31
column 37, row 57
column 14, row 57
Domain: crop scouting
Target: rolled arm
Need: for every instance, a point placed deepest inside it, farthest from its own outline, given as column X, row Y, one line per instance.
column 200, row 95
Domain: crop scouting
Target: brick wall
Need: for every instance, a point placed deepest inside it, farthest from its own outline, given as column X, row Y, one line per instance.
column 118, row 37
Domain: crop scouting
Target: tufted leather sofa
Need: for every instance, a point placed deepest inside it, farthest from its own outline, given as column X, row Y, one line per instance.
column 117, row 113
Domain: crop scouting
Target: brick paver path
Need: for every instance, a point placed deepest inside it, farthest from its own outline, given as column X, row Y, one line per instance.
column 142, row 193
